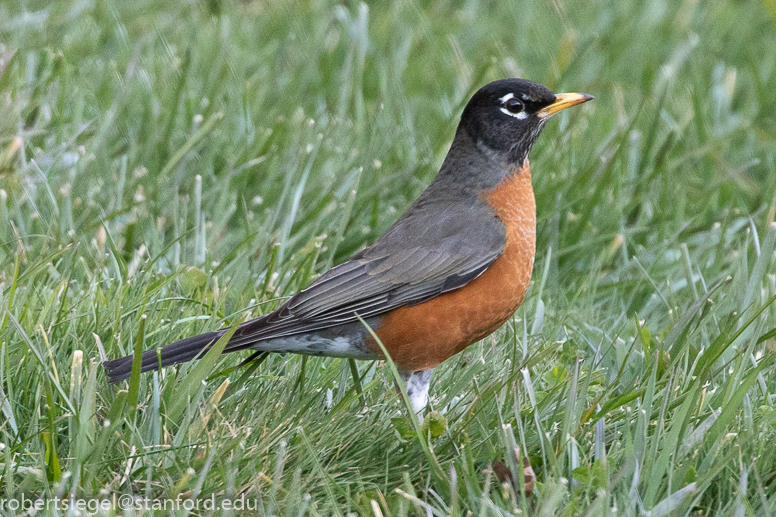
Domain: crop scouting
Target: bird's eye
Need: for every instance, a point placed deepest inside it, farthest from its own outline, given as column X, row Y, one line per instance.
column 514, row 105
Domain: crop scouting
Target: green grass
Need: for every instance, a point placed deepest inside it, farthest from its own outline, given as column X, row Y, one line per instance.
column 169, row 169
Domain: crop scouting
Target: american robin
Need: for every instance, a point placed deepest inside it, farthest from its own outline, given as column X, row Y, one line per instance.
column 449, row 272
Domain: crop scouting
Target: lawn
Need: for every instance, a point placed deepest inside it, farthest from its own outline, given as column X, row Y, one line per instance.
column 170, row 168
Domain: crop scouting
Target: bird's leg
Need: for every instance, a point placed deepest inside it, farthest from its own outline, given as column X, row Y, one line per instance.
column 417, row 385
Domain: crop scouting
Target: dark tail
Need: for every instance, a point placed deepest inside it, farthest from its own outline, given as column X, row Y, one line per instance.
column 185, row 350
column 179, row 352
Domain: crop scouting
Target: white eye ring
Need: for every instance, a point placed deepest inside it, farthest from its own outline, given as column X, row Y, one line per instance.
column 519, row 116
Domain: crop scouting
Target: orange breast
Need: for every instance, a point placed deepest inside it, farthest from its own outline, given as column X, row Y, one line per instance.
column 422, row 336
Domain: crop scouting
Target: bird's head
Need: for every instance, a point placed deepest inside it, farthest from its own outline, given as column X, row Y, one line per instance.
column 505, row 117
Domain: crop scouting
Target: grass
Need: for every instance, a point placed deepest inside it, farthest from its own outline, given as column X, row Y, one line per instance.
column 169, row 169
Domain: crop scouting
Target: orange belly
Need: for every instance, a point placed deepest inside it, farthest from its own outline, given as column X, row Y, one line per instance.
column 422, row 336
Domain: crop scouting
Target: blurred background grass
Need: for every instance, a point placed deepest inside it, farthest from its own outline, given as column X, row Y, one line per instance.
column 169, row 169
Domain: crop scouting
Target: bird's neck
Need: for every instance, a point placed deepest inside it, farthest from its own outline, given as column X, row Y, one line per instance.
column 472, row 168
column 513, row 198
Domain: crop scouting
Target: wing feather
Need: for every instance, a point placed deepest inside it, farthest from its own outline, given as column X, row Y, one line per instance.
column 424, row 254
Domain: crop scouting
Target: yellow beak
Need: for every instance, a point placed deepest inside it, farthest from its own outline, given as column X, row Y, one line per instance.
column 563, row 101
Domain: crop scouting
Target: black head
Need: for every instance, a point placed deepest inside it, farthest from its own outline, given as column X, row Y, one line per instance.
column 506, row 116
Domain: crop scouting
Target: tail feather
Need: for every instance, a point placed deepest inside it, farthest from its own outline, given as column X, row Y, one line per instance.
column 188, row 349
column 179, row 352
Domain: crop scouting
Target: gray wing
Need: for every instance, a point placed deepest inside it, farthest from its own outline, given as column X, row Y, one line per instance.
column 427, row 252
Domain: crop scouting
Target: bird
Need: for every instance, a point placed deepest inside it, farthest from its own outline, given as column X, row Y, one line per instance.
column 449, row 272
